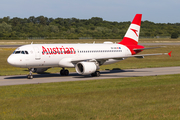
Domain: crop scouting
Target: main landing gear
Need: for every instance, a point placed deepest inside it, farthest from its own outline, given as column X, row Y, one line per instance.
column 95, row 74
column 64, row 72
column 30, row 76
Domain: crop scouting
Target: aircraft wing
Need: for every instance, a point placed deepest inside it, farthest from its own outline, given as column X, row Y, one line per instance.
column 143, row 55
column 119, row 58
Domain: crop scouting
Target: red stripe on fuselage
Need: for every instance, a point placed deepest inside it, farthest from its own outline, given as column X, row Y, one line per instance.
column 131, row 44
column 132, row 47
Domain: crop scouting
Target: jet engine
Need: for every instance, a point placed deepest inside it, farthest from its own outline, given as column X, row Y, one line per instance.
column 39, row 70
column 86, row 68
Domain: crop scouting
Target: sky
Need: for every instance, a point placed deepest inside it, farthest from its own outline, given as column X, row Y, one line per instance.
column 158, row 11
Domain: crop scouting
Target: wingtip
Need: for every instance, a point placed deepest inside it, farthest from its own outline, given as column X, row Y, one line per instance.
column 170, row 53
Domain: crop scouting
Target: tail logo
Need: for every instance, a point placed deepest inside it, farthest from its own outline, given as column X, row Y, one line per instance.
column 135, row 31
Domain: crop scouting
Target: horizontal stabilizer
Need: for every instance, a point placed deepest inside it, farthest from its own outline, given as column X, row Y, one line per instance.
column 146, row 48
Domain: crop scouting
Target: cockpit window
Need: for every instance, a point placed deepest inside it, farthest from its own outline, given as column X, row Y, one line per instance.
column 17, row 52
column 20, row 52
column 26, row 52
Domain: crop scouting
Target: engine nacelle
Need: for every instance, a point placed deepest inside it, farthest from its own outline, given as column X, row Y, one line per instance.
column 39, row 70
column 86, row 68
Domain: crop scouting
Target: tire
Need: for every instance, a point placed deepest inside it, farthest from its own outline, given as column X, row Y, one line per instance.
column 66, row 72
column 62, row 72
column 29, row 77
column 97, row 73
column 93, row 74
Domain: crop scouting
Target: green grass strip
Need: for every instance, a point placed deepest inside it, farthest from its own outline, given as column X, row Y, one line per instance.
column 155, row 97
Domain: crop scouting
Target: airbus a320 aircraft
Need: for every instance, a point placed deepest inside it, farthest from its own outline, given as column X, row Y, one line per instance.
column 86, row 58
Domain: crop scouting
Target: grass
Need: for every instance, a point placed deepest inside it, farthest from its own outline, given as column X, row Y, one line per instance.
column 152, row 97
column 150, row 61
column 155, row 97
column 42, row 41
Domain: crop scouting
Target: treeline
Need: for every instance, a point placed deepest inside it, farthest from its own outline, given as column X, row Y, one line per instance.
column 73, row 28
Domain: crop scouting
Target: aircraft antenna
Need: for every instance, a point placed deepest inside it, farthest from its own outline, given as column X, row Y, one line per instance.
column 31, row 43
column 94, row 42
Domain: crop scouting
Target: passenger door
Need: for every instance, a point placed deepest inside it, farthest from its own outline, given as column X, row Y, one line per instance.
column 37, row 53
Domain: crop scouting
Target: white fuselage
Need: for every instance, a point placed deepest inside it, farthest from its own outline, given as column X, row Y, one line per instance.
column 62, row 55
column 86, row 58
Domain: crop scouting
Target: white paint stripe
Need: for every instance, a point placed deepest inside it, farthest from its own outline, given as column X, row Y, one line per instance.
column 131, row 34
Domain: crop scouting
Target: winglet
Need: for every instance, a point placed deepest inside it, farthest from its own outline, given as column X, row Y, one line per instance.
column 170, row 53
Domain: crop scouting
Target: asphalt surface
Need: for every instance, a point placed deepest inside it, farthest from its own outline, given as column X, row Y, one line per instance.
column 48, row 78
column 9, row 46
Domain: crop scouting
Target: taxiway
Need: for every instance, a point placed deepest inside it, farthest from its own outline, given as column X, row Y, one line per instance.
column 47, row 78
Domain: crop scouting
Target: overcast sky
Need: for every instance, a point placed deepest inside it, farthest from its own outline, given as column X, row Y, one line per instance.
column 158, row 11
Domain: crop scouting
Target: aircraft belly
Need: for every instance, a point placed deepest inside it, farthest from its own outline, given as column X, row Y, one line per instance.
column 111, row 61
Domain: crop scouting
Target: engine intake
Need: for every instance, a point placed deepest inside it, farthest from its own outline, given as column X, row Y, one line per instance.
column 86, row 68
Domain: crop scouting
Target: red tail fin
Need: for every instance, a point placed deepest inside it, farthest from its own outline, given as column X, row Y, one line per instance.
column 132, row 35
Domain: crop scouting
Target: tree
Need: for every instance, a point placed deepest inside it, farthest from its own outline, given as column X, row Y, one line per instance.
column 6, row 19
column 174, row 35
column 4, row 27
column 41, row 20
column 96, row 20
column 72, row 27
column 32, row 19
column 54, row 28
column 15, row 21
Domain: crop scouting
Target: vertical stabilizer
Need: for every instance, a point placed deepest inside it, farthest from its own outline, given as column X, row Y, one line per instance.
column 132, row 35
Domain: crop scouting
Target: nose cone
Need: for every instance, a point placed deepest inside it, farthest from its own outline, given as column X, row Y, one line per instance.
column 11, row 61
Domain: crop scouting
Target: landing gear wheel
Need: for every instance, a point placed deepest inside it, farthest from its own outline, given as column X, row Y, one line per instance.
column 30, row 76
column 95, row 74
column 64, row 72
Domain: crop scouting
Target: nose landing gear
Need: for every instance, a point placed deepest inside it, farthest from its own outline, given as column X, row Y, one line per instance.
column 30, row 76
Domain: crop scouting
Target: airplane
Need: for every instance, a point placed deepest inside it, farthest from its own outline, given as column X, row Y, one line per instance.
column 85, row 58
